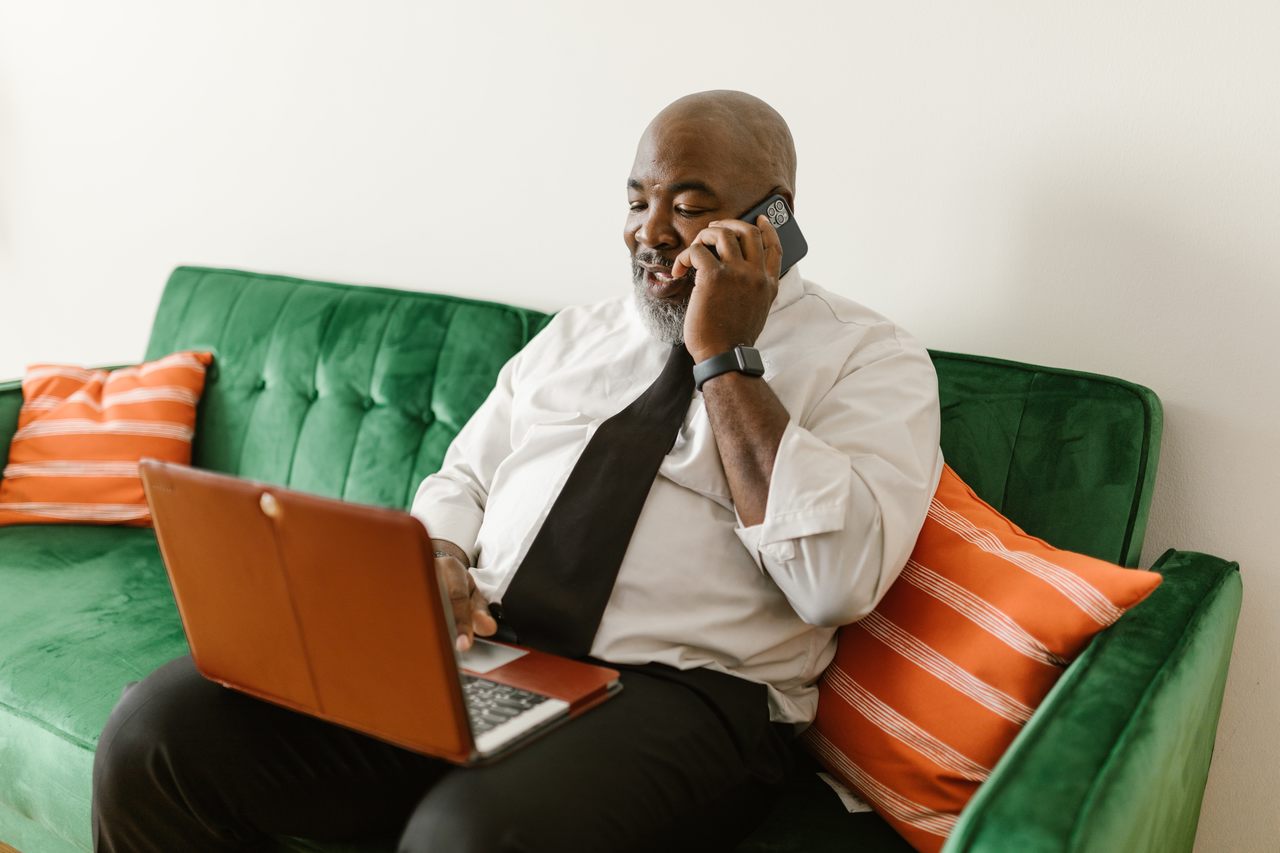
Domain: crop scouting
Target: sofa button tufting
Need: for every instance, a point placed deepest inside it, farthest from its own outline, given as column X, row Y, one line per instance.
column 368, row 403
column 261, row 384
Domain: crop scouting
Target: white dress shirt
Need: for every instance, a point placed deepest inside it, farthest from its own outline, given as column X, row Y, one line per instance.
column 851, row 483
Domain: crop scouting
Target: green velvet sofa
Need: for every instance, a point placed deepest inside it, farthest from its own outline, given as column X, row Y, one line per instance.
column 355, row 392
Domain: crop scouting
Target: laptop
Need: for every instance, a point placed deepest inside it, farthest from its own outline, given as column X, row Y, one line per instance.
column 334, row 609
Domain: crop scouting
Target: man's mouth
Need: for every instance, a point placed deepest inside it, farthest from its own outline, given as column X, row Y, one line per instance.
column 661, row 284
column 659, row 281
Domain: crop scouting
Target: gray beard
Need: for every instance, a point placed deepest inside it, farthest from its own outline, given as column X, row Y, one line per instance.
column 662, row 318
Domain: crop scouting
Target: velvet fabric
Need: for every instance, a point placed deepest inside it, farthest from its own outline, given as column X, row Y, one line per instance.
column 1115, row 758
column 10, row 405
column 83, row 611
column 347, row 392
column 356, row 392
column 1068, row 456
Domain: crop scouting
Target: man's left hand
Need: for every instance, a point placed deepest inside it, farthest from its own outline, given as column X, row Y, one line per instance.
column 731, row 293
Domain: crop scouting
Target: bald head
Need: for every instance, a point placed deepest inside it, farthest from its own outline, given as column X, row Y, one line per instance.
column 744, row 140
column 749, row 132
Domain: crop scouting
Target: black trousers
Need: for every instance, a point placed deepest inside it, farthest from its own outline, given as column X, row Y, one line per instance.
column 678, row 760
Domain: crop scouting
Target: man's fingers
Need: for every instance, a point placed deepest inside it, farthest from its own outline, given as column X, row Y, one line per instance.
column 749, row 237
column 682, row 264
column 457, row 583
column 702, row 257
column 724, row 240
column 772, row 246
column 696, row 256
column 462, row 619
column 482, row 621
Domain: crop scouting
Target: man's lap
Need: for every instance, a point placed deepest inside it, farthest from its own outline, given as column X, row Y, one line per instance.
column 669, row 750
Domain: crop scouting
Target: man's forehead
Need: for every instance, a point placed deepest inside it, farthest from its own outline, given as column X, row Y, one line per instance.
column 674, row 186
column 683, row 140
column 680, row 163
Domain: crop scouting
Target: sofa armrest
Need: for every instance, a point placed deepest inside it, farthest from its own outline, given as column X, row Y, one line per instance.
column 10, row 403
column 1117, row 756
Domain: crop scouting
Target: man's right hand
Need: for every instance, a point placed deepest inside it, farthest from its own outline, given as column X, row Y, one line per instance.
column 470, row 610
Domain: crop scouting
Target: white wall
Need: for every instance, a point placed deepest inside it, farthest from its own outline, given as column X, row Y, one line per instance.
column 1090, row 184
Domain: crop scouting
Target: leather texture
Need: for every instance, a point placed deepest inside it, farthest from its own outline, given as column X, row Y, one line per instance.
column 335, row 588
column 345, row 591
column 356, row 392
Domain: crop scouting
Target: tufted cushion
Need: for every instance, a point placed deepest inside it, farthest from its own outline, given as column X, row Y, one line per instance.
column 1068, row 456
column 345, row 391
column 353, row 393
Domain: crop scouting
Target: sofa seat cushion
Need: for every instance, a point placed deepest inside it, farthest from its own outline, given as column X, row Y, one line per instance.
column 85, row 610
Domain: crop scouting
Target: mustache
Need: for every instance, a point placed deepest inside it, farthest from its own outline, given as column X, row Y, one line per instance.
column 652, row 258
column 649, row 256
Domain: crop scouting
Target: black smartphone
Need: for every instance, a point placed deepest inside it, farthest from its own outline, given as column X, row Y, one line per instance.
column 794, row 246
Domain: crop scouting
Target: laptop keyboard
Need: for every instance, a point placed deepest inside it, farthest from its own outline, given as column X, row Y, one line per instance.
column 490, row 704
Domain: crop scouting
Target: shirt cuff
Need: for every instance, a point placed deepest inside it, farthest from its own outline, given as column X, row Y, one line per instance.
column 808, row 495
column 459, row 526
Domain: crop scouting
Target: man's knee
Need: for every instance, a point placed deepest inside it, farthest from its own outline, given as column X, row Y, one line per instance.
column 463, row 814
column 151, row 719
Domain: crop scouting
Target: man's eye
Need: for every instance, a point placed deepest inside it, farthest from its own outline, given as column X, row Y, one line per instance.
column 636, row 206
column 690, row 212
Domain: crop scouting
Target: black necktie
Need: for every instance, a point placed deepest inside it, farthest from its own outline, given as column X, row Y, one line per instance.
column 558, row 595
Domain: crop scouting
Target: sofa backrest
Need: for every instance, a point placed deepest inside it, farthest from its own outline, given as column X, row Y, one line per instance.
column 356, row 392
column 1071, row 457
column 350, row 392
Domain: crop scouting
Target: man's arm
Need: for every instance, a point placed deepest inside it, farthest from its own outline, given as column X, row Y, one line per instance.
column 733, row 290
column 830, row 511
column 850, row 487
column 748, row 420
column 451, row 503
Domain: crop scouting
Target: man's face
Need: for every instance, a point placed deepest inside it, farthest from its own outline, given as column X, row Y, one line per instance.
column 685, row 176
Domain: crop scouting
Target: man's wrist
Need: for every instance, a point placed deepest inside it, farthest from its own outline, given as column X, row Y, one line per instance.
column 742, row 359
column 728, row 378
column 445, row 548
column 712, row 351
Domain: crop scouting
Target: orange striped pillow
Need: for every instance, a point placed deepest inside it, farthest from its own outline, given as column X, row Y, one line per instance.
column 74, row 458
column 927, row 691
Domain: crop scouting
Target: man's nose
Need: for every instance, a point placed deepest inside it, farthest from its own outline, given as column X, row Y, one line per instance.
column 657, row 231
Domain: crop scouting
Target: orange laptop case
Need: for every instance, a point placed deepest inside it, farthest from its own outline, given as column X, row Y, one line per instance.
column 332, row 609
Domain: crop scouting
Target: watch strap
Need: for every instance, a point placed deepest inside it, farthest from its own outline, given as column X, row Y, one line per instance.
column 741, row 359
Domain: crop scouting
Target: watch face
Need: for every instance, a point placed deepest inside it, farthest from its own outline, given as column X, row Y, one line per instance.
column 749, row 358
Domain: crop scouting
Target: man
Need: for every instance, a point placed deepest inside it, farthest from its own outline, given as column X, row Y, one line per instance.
column 784, row 507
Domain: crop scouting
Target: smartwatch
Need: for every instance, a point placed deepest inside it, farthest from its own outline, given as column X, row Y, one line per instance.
column 742, row 358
